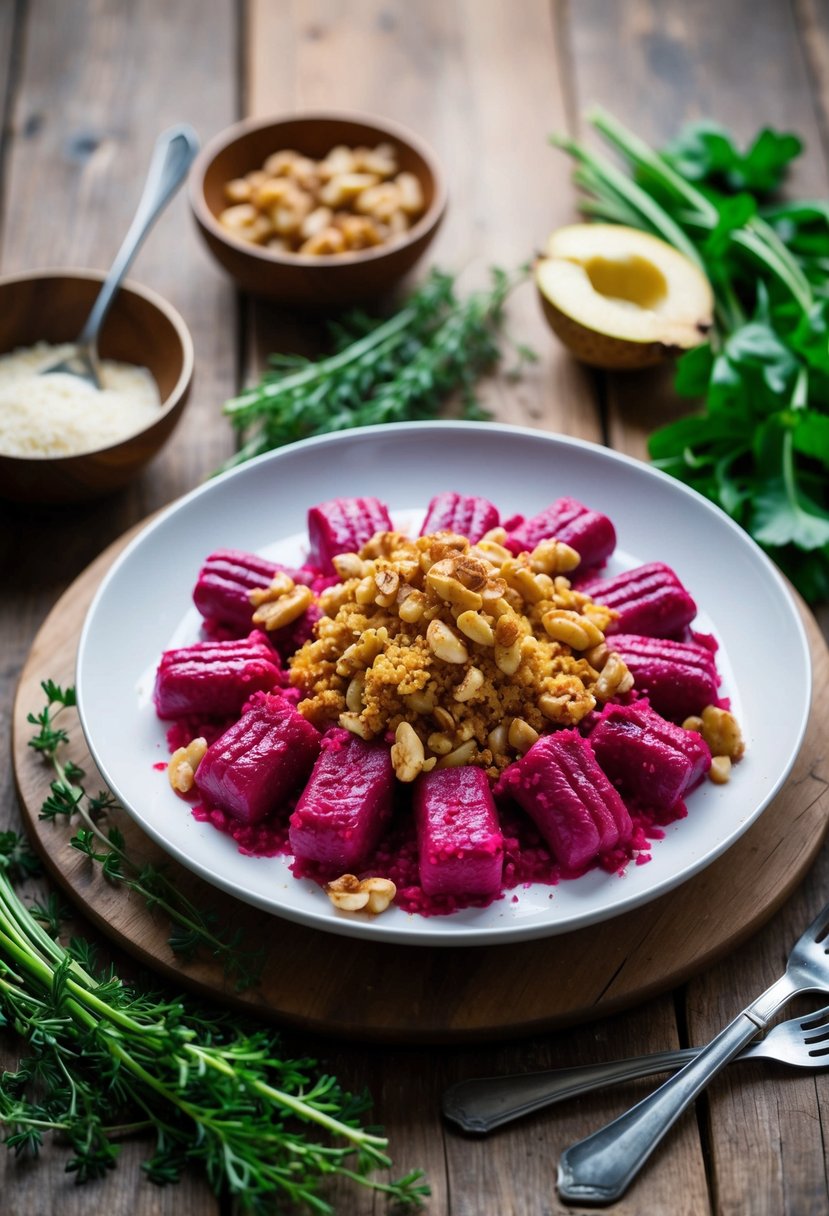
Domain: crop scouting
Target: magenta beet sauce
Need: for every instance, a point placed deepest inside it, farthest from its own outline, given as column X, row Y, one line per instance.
column 527, row 859
column 563, row 806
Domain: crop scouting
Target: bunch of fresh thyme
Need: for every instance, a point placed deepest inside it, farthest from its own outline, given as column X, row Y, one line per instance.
column 398, row 369
column 105, row 1061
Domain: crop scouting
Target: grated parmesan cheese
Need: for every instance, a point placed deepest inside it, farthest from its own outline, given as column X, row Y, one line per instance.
column 63, row 415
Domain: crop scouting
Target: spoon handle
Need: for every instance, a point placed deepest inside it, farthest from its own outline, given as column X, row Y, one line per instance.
column 173, row 154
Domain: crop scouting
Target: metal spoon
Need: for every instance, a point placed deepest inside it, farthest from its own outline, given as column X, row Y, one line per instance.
column 173, row 154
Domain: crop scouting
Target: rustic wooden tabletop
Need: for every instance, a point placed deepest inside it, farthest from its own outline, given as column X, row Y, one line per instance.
column 85, row 85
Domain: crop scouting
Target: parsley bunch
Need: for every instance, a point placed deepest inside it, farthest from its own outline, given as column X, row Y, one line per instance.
column 395, row 369
column 759, row 447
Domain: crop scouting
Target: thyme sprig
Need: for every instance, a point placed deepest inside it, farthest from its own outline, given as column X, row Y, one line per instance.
column 101, row 840
column 395, row 369
column 106, row 1061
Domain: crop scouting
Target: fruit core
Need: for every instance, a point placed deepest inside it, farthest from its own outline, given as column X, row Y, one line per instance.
column 631, row 280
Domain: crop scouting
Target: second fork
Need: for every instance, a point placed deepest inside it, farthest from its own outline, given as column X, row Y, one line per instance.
column 484, row 1103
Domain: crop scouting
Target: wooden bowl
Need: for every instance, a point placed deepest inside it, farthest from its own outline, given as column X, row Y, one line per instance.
column 312, row 281
column 51, row 306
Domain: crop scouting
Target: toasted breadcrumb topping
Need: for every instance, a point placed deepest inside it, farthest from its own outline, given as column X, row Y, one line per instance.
column 510, row 647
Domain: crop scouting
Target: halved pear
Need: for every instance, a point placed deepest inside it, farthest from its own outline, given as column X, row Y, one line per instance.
column 620, row 298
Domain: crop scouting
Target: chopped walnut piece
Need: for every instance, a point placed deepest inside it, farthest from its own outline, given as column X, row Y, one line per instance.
column 280, row 603
column 721, row 732
column 279, row 585
column 521, row 735
column 407, row 755
column 443, row 579
column 181, row 769
column 614, row 678
column 554, row 557
column 445, row 643
column 472, row 682
column 720, row 770
column 351, row 894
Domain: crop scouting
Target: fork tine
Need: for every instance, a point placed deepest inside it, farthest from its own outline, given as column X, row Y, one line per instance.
column 815, row 1020
column 819, row 927
column 817, row 1038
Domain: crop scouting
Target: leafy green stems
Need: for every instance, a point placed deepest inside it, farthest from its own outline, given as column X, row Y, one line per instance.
column 401, row 368
column 760, row 445
column 193, row 930
column 106, row 1061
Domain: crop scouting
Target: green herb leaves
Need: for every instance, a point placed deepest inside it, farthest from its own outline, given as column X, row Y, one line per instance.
column 398, row 369
column 106, row 1061
column 760, row 445
column 705, row 153
column 213, row 1093
column 104, row 844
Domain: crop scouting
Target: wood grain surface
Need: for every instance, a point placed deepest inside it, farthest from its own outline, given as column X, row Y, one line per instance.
column 85, row 86
column 340, row 985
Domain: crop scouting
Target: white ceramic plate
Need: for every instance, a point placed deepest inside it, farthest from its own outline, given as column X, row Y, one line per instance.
column 144, row 606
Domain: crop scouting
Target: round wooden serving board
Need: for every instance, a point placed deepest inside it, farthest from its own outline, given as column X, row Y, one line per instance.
column 349, row 987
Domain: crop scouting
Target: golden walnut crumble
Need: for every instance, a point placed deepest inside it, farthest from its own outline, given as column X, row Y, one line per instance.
column 462, row 652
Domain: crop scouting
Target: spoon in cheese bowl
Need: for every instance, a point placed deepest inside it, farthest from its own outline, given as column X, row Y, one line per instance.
column 174, row 152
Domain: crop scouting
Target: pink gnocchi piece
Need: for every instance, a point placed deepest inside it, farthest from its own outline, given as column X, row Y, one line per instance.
column 225, row 581
column 346, row 804
column 214, row 678
column 678, row 678
column 260, row 760
column 343, row 525
column 648, row 757
column 649, row 600
column 467, row 514
column 460, row 845
column 572, row 802
column 589, row 532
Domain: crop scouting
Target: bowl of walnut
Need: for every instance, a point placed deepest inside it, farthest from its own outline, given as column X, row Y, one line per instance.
column 317, row 210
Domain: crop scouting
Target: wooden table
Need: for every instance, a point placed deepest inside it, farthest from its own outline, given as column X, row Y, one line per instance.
column 86, row 85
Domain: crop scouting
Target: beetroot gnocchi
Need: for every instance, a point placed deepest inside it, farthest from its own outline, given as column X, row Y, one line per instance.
column 456, row 712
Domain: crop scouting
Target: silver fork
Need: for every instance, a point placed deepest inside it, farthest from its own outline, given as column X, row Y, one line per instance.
column 600, row 1168
column 484, row 1103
